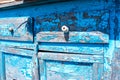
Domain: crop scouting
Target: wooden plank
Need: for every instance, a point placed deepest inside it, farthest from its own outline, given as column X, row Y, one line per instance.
column 14, row 51
column 6, row 1
column 70, row 57
column 2, row 66
column 9, row 5
column 77, row 49
column 117, row 25
column 11, row 1
column 73, row 37
column 35, row 66
column 17, row 45
column 116, row 65
column 98, row 71
column 42, row 70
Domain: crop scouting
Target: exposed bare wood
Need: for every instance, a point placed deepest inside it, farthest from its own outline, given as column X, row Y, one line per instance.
column 6, row 1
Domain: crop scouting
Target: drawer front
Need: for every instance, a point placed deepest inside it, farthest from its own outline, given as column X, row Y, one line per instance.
column 70, row 66
column 16, row 28
column 15, row 64
column 74, row 26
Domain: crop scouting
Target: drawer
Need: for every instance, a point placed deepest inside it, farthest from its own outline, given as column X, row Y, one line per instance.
column 74, row 26
column 16, row 64
column 16, row 28
column 70, row 66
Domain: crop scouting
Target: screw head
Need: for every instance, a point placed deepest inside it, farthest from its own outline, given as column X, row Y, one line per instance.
column 64, row 28
column 11, row 29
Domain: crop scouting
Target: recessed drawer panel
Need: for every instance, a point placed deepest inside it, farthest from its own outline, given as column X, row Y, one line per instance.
column 70, row 66
column 16, row 64
column 74, row 27
column 16, row 28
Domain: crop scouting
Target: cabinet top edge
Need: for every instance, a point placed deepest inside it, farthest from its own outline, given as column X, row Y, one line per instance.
column 19, row 4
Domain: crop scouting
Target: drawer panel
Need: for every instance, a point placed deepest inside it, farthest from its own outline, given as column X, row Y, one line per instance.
column 74, row 27
column 16, row 64
column 16, row 28
column 70, row 66
column 21, row 68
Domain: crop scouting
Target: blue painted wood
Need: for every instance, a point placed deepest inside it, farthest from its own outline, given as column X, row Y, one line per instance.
column 73, row 37
column 65, row 67
column 19, row 52
column 19, row 45
column 24, row 3
column 74, row 48
column 35, row 63
column 84, row 27
column 18, row 28
column 16, row 64
column 117, row 21
column 116, row 64
column 77, row 54
column 2, row 66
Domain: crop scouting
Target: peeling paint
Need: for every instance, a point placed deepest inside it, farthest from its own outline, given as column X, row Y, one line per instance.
column 89, row 50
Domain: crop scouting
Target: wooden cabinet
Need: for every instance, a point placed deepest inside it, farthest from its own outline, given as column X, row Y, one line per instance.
column 59, row 40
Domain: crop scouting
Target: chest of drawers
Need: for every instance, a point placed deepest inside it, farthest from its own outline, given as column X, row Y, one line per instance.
column 60, row 40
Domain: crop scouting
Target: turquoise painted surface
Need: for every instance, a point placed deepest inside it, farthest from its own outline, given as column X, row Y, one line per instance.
column 16, row 64
column 69, row 67
column 68, row 71
column 17, row 29
column 93, row 54
column 18, row 67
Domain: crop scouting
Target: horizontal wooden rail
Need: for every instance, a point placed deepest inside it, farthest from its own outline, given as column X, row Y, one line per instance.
column 6, row 1
column 10, row 1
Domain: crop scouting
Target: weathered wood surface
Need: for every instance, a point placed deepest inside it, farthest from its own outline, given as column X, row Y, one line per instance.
column 84, row 27
column 11, row 1
column 17, row 29
column 20, row 3
column 16, row 64
column 6, row 1
column 70, row 57
column 76, row 48
column 88, row 16
column 2, row 67
column 15, row 51
column 17, row 45
column 63, row 66
column 73, row 37
column 116, row 65
column 117, row 22
column 7, row 5
column 115, row 75
column 35, row 63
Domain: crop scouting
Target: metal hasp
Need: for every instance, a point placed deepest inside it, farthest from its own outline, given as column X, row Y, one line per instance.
column 60, row 40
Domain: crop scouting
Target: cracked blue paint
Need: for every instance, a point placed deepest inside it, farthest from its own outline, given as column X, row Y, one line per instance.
column 88, row 51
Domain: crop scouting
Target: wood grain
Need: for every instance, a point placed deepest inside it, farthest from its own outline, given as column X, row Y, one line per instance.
column 6, row 1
